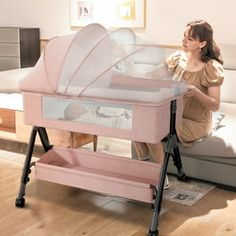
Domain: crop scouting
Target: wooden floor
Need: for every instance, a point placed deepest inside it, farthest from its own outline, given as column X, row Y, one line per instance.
column 56, row 210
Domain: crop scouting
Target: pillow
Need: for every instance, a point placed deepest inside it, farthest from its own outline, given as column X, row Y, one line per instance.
column 217, row 117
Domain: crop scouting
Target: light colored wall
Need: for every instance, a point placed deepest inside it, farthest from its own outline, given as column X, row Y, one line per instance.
column 165, row 19
column 51, row 16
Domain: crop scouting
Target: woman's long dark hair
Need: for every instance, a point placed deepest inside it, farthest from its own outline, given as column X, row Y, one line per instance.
column 201, row 30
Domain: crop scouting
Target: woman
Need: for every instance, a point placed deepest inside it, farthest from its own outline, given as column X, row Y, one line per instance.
column 199, row 64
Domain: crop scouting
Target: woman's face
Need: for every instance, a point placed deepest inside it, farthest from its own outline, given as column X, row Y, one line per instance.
column 190, row 44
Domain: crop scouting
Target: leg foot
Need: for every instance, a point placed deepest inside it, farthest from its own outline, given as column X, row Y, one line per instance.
column 181, row 175
column 20, row 202
column 153, row 233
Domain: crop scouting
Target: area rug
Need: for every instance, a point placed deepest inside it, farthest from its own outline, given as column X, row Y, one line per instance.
column 186, row 193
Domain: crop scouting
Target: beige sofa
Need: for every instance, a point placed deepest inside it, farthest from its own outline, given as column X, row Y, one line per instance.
column 214, row 158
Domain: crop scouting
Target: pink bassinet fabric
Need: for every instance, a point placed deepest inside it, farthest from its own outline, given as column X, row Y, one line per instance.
column 83, row 64
column 43, row 77
column 60, row 59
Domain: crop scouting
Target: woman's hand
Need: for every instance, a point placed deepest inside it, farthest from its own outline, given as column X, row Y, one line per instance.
column 211, row 100
column 191, row 92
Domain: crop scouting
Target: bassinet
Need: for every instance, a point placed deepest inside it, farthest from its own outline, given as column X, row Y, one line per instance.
column 90, row 82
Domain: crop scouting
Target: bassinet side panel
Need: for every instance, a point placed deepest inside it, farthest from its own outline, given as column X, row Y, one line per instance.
column 149, row 123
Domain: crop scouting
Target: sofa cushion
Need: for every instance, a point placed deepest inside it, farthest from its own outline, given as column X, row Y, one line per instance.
column 217, row 117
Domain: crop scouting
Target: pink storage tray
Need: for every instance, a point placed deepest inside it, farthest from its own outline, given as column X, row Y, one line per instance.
column 150, row 123
column 99, row 172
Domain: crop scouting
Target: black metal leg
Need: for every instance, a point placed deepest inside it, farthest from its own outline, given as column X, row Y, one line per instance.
column 44, row 138
column 171, row 149
column 174, row 148
column 153, row 230
column 20, row 201
column 178, row 163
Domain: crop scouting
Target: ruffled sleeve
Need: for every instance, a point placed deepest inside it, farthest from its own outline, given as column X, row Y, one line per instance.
column 173, row 60
column 214, row 74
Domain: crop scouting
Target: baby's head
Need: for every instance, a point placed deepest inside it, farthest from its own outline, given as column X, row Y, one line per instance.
column 74, row 111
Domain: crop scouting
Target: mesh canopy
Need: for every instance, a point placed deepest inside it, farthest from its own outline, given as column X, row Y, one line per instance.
column 91, row 61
